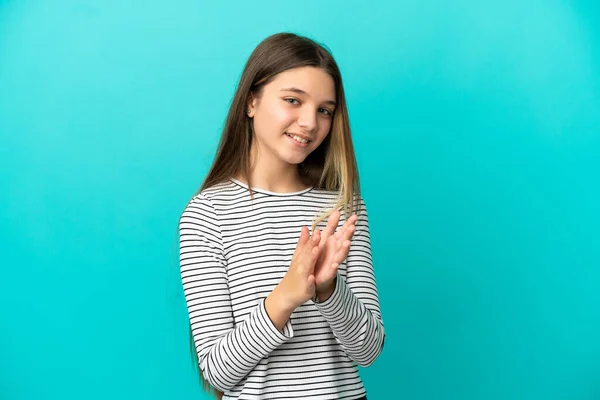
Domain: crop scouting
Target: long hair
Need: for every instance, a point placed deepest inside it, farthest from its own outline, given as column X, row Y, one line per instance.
column 332, row 166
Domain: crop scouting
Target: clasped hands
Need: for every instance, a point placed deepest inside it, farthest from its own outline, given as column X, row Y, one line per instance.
column 315, row 262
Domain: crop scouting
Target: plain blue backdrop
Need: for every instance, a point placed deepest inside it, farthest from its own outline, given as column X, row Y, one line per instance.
column 476, row 127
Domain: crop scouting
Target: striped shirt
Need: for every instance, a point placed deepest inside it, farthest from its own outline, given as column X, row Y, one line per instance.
column 233, row 252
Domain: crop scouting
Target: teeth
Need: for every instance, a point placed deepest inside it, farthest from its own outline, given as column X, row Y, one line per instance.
column 298, row 138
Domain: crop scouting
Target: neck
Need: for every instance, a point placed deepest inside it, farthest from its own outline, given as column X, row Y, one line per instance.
column 274, row 175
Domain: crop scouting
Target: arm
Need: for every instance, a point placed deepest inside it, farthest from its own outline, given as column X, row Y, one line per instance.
column 352, row 309
column 226, row 352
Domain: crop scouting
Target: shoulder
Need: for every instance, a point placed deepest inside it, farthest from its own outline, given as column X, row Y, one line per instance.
column 214, row 194
column 203, row 202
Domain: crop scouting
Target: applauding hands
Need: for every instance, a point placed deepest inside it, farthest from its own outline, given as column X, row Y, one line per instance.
column 313, row 269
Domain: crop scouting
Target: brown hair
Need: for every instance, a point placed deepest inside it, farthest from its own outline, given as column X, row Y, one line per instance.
column 332, row 166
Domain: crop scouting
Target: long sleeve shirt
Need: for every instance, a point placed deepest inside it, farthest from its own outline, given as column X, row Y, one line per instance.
column 234, row 250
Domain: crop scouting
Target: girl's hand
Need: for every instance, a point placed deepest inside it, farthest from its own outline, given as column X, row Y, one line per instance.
column 298, row 284
column 334, row 248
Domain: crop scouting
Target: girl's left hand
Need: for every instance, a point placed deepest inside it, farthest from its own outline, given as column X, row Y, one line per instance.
column 334, row 249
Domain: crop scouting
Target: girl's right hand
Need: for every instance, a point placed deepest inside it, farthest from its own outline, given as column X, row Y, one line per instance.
column 298, row 284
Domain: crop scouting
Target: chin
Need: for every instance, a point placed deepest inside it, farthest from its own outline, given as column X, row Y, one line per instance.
column 293, row 159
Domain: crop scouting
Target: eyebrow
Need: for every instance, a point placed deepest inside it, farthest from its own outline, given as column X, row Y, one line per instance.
column 300, row 91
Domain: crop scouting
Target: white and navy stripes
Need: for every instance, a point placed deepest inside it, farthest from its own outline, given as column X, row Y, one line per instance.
column 233, row 252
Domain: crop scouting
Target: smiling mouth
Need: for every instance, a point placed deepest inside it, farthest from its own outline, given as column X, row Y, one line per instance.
column 297, row 138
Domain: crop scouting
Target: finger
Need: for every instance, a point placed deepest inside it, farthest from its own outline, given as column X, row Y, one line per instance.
column 342, row 253
column 304, row 238
column 312, row 247
column 338, row 244
column 324, row 237
column 349, row 222
column 349, row 232
column 305, row 233
column 311, row 281
column 334, row 268
column 332, row 223
column 316, row 237
column 313, row 256
column 307, row 259
column 329, row 230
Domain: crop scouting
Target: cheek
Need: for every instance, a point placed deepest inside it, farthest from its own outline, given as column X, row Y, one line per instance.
column 320, row 140
column 273, row 119
column 324, row 129
column 281, row 115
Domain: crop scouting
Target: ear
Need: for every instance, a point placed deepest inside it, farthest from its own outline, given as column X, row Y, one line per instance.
column 251, row 106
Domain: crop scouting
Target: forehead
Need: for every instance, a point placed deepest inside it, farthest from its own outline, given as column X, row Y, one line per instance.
column 317, row 83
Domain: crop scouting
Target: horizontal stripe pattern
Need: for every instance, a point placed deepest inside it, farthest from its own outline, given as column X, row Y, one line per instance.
column 233, row 252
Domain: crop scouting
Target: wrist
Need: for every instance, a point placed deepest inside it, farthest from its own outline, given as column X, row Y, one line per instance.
column 278, row 308
column 280, row 296
column 325, row 292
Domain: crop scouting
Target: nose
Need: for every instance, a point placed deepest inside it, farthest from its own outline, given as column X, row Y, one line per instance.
column 308, row 120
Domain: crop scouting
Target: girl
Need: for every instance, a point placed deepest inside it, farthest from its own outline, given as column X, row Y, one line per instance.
column 280, row 305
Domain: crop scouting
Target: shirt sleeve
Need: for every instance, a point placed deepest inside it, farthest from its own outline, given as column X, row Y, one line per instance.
column 227, row 351
column 353, row 309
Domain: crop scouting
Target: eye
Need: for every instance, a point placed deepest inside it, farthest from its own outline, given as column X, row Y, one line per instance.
column 291, row 100
column 326, row 112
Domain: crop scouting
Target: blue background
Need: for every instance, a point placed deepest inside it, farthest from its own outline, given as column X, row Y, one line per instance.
column 477, row 131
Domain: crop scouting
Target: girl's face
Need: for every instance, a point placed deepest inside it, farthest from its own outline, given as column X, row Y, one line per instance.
column 294, row 113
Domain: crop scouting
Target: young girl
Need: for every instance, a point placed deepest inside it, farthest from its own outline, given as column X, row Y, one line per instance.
column 275, row 250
